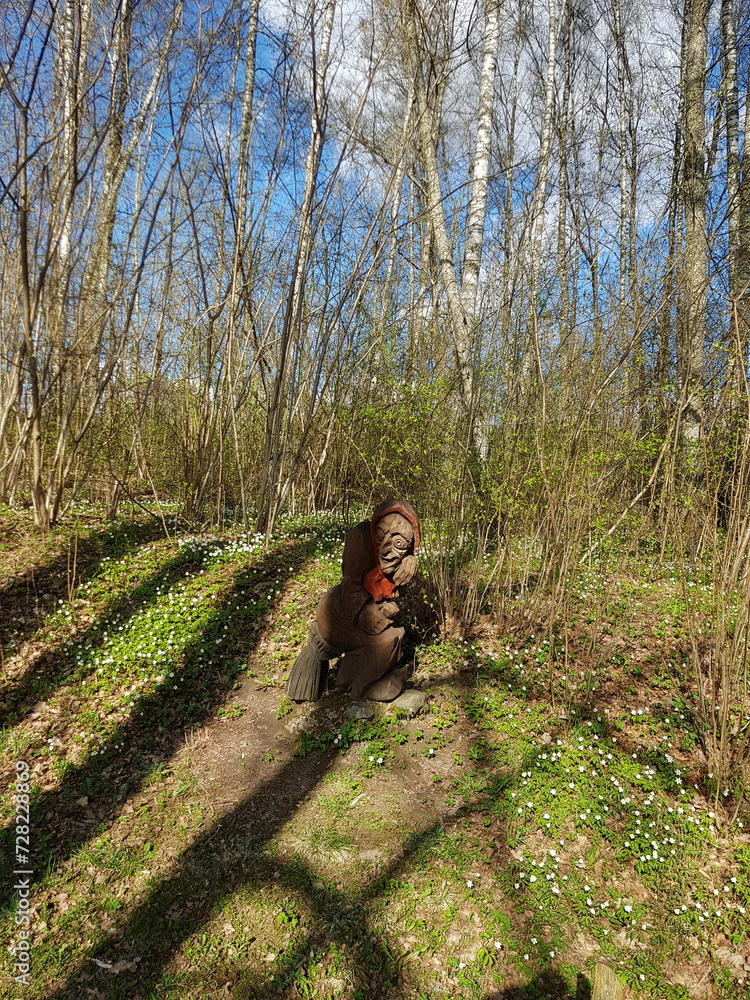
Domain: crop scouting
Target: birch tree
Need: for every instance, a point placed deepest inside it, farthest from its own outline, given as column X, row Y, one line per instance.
column 461, row 287
column 691, row 329
column 541, row 184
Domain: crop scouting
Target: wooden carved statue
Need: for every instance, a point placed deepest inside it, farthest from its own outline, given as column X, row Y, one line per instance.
column 358, row 619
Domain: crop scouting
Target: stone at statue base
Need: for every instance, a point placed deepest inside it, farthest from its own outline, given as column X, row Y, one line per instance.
column 360, row 710
column 411, row 702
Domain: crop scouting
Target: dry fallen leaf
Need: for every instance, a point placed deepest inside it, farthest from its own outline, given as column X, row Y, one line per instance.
column 124, row 966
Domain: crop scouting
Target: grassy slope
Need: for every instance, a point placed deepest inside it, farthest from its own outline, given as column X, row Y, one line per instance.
column 194, row 835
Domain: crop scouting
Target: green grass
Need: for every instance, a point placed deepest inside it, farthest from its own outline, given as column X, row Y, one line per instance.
column 547, row 807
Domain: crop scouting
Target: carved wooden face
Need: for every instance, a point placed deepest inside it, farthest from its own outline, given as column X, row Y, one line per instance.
column 394, row 535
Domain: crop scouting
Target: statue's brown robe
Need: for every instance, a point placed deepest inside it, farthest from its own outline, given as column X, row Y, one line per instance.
column 365, row 658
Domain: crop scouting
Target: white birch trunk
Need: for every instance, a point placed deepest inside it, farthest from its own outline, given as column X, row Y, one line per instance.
column 692, row 321
column 480, row 173
column 542, row 181
column 623, row 179
column 461, row 302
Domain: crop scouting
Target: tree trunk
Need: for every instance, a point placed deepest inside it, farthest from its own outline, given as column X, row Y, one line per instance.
column 691, row 329
column 540, row 189
column 272, row 472
column 739, row 248
column 461, row 301
column 480, row 172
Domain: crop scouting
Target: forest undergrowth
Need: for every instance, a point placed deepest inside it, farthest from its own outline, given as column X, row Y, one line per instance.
column 194, row 834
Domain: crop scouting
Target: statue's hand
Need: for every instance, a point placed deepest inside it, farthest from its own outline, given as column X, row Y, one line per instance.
column 406, row 571
column 389, row 610
column 374, row 618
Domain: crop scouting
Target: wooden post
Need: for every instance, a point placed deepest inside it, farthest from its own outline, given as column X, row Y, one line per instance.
column 606, row 984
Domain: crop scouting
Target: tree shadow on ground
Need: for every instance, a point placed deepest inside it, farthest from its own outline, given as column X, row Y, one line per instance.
column 548, row 985
column 49, row 669
column 341, row 920
column 338, row 916
column 232, row 858
column 229, row 857
column 121, row 766
column 44, row 675
column 35, row 590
